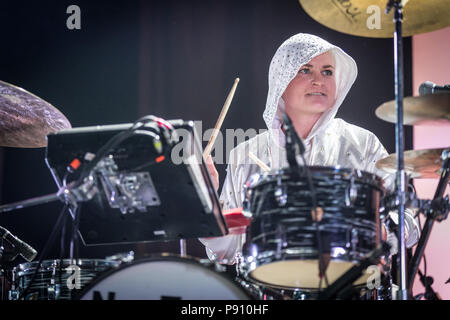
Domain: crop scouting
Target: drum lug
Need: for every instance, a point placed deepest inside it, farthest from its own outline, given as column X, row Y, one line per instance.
column 219, row 267
column 13, row 293
column 354, row 240
column 53, row 291
column 351, row 193
column 280, row 193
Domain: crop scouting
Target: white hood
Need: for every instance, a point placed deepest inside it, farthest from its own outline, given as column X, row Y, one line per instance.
column 287, row 61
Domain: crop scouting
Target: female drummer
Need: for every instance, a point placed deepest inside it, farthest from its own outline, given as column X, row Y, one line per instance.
column 308, row 79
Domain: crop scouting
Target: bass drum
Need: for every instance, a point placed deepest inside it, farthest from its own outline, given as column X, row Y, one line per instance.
column 165, row 277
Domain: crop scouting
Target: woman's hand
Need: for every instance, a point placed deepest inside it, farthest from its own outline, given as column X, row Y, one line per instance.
column 213, row 172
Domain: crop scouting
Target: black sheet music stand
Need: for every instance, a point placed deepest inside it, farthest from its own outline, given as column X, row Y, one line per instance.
column 184, row 203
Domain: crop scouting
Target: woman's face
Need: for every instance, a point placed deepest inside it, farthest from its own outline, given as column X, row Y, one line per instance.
column 313, row 90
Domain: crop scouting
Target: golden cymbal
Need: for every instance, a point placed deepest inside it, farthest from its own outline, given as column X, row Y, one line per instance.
column 422, row 110
column 424, row 163
column 367, row 18
column 25, row 119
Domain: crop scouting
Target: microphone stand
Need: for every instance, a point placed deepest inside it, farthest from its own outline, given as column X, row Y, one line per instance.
column 399, row 146
column 294, row 146
column 433, row 213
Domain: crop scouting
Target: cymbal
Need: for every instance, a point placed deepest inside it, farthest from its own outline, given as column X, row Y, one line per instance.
column 25, row 119
column 419, row 110
column 424, row 163
column 366, row 18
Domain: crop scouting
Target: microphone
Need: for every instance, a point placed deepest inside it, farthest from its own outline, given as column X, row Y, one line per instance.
column 429, row 87
column 294, row 144
column 339, row 287
column 25, row 250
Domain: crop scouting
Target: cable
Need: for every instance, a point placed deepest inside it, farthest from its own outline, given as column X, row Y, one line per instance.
column 316, row 224
column 44, row 250
column 122, row 136
column 417, row 215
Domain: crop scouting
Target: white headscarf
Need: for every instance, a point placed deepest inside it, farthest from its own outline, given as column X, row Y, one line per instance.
column 295, row 52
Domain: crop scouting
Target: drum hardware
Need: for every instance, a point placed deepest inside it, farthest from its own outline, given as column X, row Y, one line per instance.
column 435, row 213
column 429, row 87
column 122, row 257
column 21, row 247
column 161, row 220
column 13, row 293
column 280, row 193
column 422, row 162
column 436, row 208
column 351, row 192
column 429, row 294
column 342, row 287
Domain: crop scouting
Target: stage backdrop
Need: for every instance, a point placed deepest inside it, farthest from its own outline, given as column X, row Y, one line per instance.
column 430, row 63
column 173, row 59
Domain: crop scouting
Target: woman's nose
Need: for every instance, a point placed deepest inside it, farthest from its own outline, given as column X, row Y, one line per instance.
column 316, row 80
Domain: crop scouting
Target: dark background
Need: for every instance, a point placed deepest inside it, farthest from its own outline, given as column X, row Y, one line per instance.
column 173, row 59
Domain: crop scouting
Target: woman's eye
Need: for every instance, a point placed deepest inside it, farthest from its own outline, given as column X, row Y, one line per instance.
column 327, row 72
column 304, row 71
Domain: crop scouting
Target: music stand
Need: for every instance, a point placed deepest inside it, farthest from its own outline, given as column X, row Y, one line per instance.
column 181, row 202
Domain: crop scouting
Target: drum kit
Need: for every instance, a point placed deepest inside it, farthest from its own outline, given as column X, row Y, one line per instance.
column 309, row 236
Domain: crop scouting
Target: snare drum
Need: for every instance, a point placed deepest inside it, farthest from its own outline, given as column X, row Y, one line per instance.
column 164, row 277
column 281, row 250
column 57, row 279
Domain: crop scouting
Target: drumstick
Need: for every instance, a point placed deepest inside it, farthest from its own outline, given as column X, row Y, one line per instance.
column 261, row 164
column 222, row 115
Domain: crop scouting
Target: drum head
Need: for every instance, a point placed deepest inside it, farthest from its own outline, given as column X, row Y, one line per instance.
column 163, row 278
column 302, row 274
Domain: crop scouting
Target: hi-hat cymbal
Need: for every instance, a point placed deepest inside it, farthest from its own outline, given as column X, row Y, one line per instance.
column 25, row 119
column 366, row 18
column 425, row 163
column 434, row 108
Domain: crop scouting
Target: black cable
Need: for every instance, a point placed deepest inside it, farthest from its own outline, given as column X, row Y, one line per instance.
column 292, row 138
column 423, row 256
column 317, row 224
column 116, row 140
column 62, row 247
column 44, row 250
column 411, row 185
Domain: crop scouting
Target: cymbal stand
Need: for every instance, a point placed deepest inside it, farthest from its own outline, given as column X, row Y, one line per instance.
column 438, row 212
column 399, row 146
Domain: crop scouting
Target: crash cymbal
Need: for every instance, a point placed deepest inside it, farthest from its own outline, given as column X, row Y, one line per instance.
column 428, row 109
column 366, row 18
column 25, row 119
column 418, row 163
